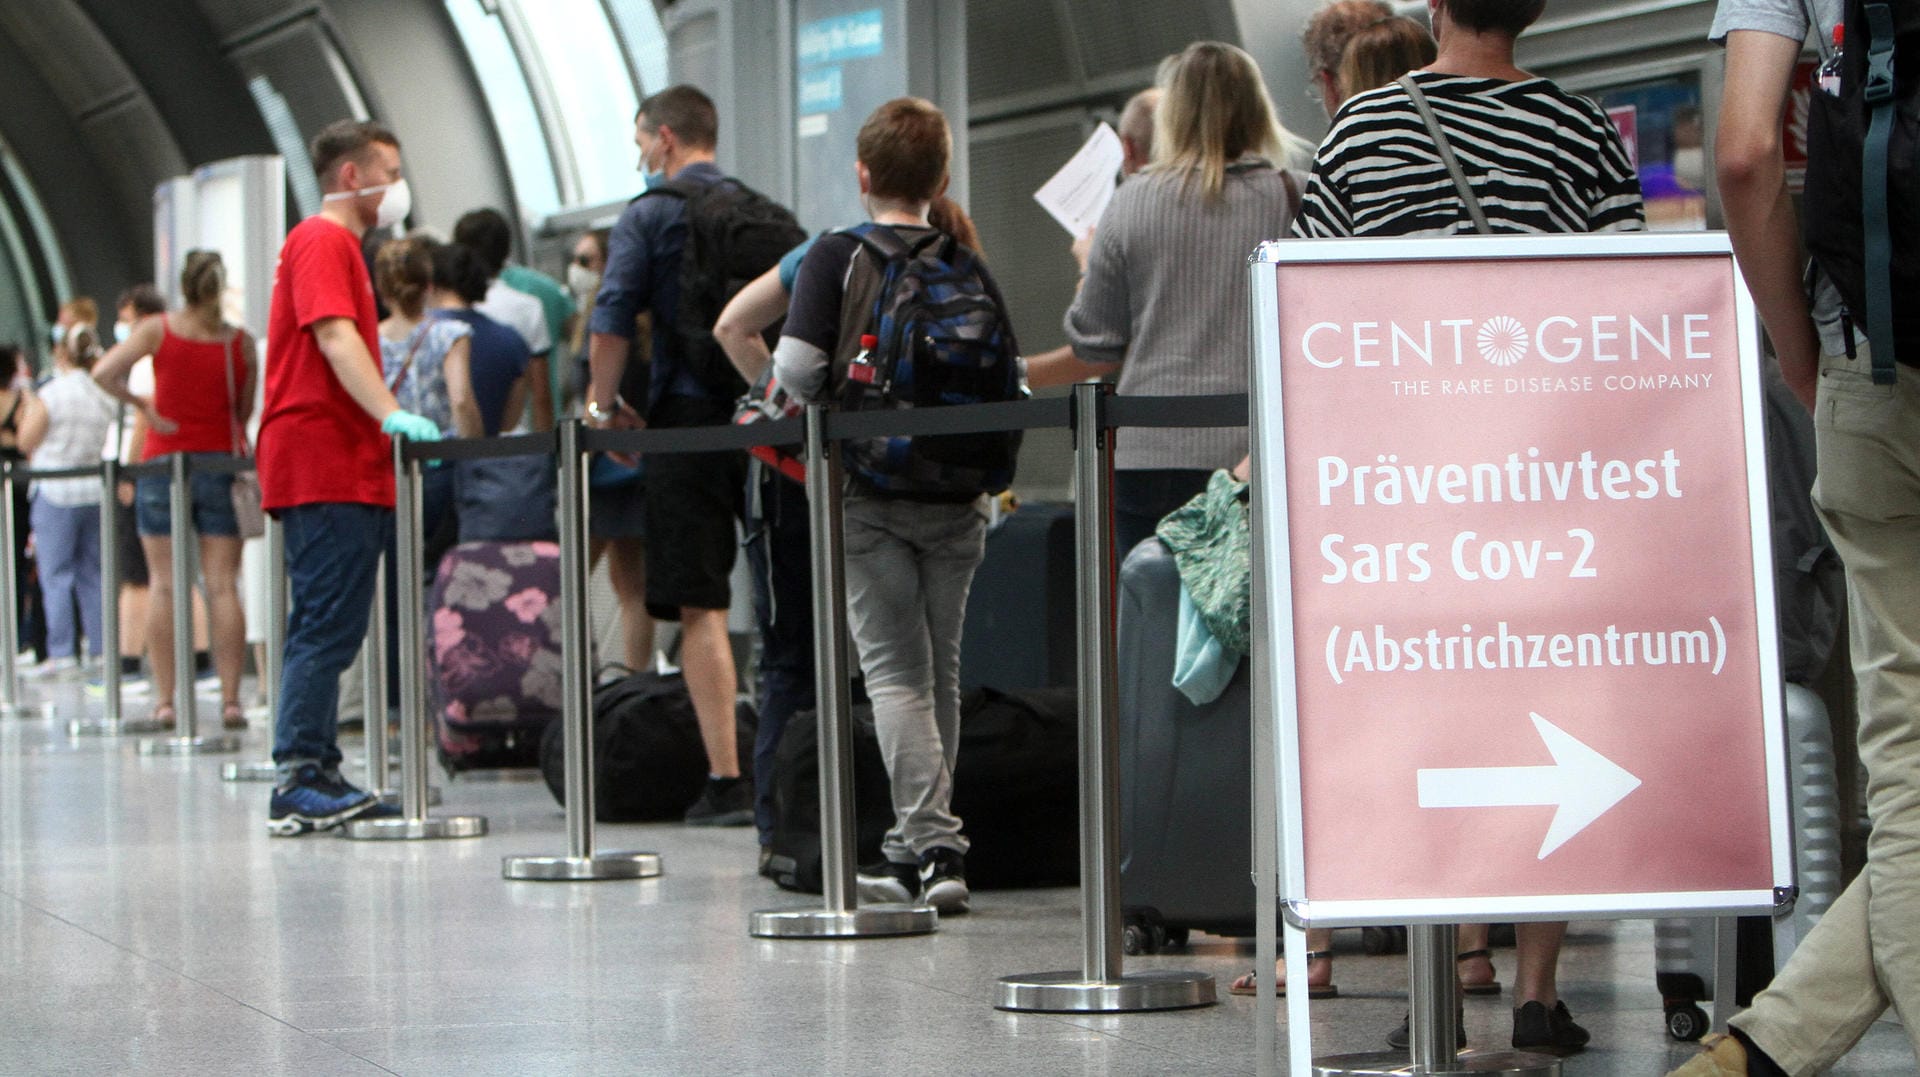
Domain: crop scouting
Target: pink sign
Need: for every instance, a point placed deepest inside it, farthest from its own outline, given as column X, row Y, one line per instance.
column 1527, row 661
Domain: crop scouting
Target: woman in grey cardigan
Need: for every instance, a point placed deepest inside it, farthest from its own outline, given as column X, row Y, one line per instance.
column 1164, row 301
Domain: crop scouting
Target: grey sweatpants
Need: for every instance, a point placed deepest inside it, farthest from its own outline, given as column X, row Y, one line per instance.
column 909, row 566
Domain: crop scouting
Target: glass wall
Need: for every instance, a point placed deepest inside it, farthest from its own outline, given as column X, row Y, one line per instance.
column 563, row 79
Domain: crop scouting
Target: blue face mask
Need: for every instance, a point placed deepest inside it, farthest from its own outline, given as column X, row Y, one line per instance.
column 121, row 330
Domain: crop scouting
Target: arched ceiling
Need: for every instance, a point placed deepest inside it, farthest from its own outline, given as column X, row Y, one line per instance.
column 108, row 98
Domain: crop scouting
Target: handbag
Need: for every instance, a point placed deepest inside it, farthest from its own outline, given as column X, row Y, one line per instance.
column 246, row 484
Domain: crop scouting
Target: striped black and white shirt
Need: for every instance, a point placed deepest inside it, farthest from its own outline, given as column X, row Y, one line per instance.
column 1539, row 159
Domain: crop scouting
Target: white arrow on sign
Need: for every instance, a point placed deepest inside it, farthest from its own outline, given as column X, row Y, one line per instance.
column 1582, row 785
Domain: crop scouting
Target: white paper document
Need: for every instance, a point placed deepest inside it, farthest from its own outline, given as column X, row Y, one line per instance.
column 1078, row 194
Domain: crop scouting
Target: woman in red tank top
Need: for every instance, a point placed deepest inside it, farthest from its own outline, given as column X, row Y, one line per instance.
column 203, row 373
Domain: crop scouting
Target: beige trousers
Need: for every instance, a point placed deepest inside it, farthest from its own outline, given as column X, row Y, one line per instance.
column 1864, row 955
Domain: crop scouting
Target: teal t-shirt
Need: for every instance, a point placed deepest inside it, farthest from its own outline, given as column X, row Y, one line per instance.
column 557, row 305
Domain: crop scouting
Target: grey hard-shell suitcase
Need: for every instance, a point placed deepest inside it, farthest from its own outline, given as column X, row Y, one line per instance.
column 1689, row 952
column 1186, row 787
column 1186, row 781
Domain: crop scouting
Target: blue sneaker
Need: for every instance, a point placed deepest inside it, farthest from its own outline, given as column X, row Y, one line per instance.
column 314, row 800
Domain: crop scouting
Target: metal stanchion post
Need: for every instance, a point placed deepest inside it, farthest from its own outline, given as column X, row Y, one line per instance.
column 413, row 823
column 373, row 681
column 276, row 539
column 1433, row 1025
column 10, row 705
column 112, row 722
column 1099, row 985
column 186, row 719
column 842, row 916
column 581, row 863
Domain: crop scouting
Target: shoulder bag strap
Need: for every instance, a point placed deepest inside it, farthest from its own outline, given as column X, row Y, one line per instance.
column 413, row 349
column 1876, row 221
column 1445, row 146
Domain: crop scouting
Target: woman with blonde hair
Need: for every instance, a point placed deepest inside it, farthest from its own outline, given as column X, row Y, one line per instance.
column 1164, row 302
column 203, row 371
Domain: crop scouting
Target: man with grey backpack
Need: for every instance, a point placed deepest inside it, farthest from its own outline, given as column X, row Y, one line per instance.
column 1844, row 350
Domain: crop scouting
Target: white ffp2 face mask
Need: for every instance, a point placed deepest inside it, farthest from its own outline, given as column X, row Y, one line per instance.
column 393, row 208
column 583, row 282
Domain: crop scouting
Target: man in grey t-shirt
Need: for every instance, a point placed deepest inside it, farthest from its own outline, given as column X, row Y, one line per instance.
column 1864, row 955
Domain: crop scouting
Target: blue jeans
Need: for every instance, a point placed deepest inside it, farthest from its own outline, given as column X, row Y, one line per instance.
column 332, row 550
column 67, row 538
column 778, row 553
column 209, row 493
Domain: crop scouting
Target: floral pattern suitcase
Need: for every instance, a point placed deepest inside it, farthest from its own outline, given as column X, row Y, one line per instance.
column 495, row 652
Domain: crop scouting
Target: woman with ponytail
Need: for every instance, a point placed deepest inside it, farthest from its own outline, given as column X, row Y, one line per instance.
column 203, row 372
column 66, row 512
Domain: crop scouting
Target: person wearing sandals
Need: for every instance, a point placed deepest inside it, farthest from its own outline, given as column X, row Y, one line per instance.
column 1471, row 143
column 203, row 371
column 1355, row 46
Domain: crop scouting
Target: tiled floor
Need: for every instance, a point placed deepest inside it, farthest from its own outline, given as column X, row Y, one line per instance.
column 149, row 925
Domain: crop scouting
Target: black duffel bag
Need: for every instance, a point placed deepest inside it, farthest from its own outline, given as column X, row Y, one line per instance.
column 649, row 762
column 1016, row 792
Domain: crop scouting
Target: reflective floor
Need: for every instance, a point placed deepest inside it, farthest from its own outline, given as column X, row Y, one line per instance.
column 149, row 925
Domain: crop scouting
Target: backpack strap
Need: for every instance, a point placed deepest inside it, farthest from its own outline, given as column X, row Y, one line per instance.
column 1876, row 222
column 1445, row 146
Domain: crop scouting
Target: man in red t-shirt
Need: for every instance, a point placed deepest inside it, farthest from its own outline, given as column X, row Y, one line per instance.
column 325, row 460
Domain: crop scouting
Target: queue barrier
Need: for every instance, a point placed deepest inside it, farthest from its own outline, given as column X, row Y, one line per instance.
column 111, row 473
column 1092, row 412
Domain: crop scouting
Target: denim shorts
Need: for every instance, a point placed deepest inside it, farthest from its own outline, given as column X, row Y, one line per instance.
column 212, row 494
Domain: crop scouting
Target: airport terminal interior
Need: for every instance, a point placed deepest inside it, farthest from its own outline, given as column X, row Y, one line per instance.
column 150, row 924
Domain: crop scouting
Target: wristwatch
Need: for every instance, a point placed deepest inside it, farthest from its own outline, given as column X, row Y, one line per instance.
column 597, row 415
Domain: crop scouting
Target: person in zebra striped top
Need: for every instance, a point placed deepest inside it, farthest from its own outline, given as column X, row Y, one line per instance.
column 1540, row 159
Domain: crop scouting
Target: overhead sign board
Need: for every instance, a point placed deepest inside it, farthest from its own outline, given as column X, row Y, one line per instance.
column 1515, row 586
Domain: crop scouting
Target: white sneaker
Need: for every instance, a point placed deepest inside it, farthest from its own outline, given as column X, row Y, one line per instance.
column 55, row 667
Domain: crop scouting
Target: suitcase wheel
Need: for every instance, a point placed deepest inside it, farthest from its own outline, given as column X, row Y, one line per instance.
column 1144, row 933
column 1687, row 1022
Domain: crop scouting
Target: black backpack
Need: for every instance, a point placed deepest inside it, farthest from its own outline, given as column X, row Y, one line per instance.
column 1861, row 217
column 939, row 337
column 734, row 234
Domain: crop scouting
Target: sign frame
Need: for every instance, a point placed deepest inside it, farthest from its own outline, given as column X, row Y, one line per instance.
column 1274, row 653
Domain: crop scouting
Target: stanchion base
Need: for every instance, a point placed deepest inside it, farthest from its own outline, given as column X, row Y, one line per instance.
column 126, row 727
column 218, row 745
column 1072, row 992
column 867, row 921
column 249, row 772
column 446, row 826
column 1398, row 1064
column 580, row 869
column 27, row 712
column 392, row 799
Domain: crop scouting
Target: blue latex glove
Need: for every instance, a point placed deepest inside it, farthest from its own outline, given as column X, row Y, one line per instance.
column 406, row 424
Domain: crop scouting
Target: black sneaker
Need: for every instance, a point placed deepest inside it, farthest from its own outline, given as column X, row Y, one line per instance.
column 724, row 802
column 1400, row 1037
column 943, row 880
column 1550, row 1032
column 888, row 883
